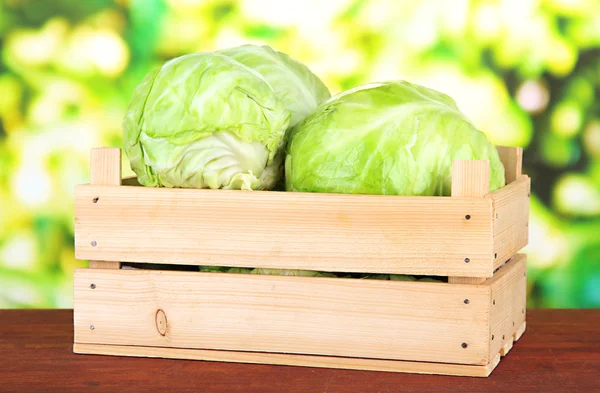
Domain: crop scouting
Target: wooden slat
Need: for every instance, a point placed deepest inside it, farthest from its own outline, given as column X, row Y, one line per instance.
column 512, row 159
column 466, row 280
column 508, row 299
column 105, row 170
column 520, row 331
column 105, row 166
column 307, row 315
column 291, row 359
column 469, row 179
column 510, row 219
column 348, row 233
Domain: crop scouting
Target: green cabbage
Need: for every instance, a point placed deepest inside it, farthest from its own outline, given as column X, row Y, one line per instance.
column 300, row 90
column 239, row 270
column 402, row 277
column 218, row 120
column 392, row 138
column 290, row 272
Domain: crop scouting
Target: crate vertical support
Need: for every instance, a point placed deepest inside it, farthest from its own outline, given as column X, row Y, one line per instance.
column 512, row 159
column 105, row 170
column 470, row 178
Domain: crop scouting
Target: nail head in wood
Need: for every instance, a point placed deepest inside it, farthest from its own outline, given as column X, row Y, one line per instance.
column 94, row 244
column 93, row 286
column 468, row 217
column 92, row 327
column 467, row 260
column 466, row 301
column 95, row 200
column 464, row 345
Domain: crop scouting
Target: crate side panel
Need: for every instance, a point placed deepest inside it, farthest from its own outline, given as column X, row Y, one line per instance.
column 508, row 291
column 309, row 315
column 291, row 359
column 510, row 219
column 512, row 159
column 348, row 233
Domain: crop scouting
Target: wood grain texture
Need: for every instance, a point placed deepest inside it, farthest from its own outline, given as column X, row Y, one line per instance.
column 470, row 179
column 559, row 353
column 348, row 233
column 291, row 360
column 508, row 299
column 512, row 159
column 105, row 170
column 510, row 219
column 307, row 315
column 466, row 280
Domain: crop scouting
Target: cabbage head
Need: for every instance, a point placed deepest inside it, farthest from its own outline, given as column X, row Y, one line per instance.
column 391, row 138
column 218, row 119
column 291, row 272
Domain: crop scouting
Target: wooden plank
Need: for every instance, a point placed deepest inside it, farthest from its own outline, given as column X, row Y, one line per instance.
column 105, row 265
column 508, row 299
column 520, row 331
column 105, row 169
column 510, row 219
column 512, row 159
column 307, row 315
column 291, row 359
column 326, row 232
column 105, row 166
column 470, row 179
column 466, row 280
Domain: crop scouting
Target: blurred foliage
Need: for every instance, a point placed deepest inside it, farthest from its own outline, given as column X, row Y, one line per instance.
column 527, row 72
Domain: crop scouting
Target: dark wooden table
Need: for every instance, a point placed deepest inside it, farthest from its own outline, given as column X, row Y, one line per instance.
column 560, row 352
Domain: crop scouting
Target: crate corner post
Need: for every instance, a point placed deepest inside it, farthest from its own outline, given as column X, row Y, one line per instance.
column 105, row 170
column 512, row 160
column 470, row 178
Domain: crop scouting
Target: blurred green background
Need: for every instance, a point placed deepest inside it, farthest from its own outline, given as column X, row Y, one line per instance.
column 526, row 72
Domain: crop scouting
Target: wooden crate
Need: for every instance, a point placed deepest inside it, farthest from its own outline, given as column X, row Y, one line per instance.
column 461, row 327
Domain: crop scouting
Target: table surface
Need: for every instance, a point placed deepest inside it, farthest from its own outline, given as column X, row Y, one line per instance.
column 559, row 352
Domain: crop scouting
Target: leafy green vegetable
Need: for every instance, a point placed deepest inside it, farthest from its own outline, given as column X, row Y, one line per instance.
column 239, row 270
column 392, row 138
column 218, row 120
column 402, row 277
column 293, row 83
column 284, row 272
column 213, row 269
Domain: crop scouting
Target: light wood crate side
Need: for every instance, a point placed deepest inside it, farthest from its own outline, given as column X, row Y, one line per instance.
column 508, row 304
column 470, row 179
column 305, row 315
column 346, row 233
column 510, row 219
column 105, row 170
column 512, row 159
column 291, row 360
